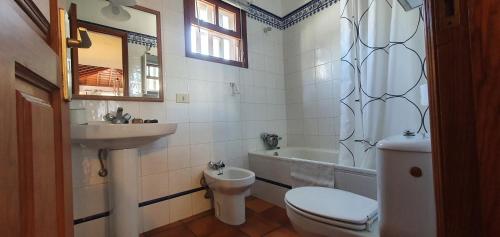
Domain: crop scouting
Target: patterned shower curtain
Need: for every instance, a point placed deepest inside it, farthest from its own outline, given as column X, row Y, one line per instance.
column 383, row 68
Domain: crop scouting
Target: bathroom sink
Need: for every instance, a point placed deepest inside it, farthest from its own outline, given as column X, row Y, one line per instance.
column 102, row 135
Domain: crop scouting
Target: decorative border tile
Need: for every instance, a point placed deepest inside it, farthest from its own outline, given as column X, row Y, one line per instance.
column 132, row 37
column 137, row 38
column 301, row 13
column 265, row 17
column 306, row 11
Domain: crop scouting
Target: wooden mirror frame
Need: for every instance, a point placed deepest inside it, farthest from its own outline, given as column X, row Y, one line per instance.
column 75, row 23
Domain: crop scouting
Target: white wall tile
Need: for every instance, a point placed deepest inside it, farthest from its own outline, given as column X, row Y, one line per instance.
column 153, row 160
column 180, row 208
column 155, row 215
column 90, row 200
column 200, row 133
column 178, row 157
column 96, row 228
column 179, row 181
column 200, row 154
column 200, row 203
column 154, row 186
column 181, row 135
column 312, row 74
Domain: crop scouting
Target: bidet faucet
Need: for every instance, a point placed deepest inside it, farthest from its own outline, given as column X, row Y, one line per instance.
column 118, row 117
column 219, row 166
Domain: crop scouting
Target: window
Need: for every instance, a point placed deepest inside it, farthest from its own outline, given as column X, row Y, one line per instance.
column 216, row 32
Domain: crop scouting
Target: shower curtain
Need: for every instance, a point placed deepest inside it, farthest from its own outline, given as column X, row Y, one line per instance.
column 383, row 69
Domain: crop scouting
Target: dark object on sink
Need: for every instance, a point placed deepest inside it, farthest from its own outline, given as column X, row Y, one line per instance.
column 151, row 121
column 137, row 120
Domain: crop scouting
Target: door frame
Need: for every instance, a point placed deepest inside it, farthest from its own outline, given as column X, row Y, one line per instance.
column 461, row 50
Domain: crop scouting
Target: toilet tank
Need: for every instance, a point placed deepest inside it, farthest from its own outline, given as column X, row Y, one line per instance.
column 405, row 187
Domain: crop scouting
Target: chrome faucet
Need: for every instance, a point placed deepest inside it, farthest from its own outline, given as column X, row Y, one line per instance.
column 118, row 117
column 270, row 140
column 219, row 166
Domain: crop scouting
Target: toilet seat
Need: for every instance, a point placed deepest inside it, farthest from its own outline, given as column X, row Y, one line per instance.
column 333, row 207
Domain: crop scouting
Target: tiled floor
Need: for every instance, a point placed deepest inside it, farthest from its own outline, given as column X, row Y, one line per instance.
column 263, row 220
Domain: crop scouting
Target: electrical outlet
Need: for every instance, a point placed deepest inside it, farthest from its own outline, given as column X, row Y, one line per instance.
column 182, row 98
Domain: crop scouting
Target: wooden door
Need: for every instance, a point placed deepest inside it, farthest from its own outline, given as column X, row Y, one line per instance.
column 464, row 74
column 35, row 170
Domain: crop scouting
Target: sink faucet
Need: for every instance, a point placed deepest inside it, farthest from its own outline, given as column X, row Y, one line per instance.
column 219, row 166
column 118, row 117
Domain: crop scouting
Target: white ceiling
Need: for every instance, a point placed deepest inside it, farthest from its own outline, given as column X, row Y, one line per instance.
column 279, row 7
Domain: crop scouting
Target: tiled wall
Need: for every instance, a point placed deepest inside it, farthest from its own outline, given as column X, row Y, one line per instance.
column 214, row 126
column 312, row 53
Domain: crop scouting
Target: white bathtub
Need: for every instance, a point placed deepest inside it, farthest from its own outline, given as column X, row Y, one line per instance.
column 272, row 169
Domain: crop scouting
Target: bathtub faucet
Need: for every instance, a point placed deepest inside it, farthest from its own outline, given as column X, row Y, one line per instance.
column 218, row 165
column 270, row 140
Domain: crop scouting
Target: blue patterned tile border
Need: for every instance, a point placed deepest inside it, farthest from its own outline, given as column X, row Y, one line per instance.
column 137, row 38
column 301, row 13
column 306, row 11
column 265, row 17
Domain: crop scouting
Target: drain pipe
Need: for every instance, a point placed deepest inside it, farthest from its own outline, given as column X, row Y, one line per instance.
column 103, row 154
column 208, row 194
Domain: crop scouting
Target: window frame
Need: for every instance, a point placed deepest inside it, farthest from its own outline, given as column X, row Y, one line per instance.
column 240, row 33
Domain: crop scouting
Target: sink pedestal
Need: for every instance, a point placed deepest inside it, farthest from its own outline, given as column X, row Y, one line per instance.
column 124, row 190
column 122, row 140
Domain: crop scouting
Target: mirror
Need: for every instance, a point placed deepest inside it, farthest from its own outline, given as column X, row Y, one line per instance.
column 124, row 60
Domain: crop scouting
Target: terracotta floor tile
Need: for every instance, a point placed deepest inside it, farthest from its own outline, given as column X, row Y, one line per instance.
column 276, row 214
column 255, row 226
column 229, row 233
column 180, row 230
column 250, row 198
column 249, row 213
column 258, row 205
column 207, row 226
column 282, row 232
column 198, row 216
column 263, row 219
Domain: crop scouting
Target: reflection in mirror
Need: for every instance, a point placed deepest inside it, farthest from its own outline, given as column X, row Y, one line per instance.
column 101, row 67
column 123, row 61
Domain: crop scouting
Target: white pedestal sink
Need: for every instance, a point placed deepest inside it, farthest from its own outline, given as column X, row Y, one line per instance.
column 122, row 140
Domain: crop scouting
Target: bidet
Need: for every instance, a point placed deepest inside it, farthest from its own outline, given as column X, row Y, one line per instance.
column 229, row 190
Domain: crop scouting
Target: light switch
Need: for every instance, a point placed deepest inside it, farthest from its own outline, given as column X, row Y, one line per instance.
column 182, row 98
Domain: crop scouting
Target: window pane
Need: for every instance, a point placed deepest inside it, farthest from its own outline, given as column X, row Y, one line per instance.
column 216, row 47
column 194, row 37
column 227, row 19
column 227, row 49
column 204, row 41
column 212, row 43
column 205, row 11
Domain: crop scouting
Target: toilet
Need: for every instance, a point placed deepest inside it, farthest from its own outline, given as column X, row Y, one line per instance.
column 405, row 204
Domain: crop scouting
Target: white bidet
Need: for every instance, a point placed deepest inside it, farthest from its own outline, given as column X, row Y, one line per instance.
column 229, row 186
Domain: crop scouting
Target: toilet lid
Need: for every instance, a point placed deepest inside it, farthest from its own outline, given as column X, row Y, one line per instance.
column 333, row 204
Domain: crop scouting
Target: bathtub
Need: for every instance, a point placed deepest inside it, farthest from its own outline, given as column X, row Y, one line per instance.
column 273, row 179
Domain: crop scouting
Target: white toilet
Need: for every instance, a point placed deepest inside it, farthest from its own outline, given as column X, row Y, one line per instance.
column 405, row 204
column 230, row 188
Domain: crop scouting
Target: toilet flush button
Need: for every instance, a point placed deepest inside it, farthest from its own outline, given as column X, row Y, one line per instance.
column 416, row 172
